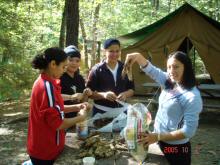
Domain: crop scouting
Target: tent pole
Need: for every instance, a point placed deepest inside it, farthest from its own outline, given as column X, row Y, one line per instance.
column 165, row 51
column 194, row 58
column 187, row 46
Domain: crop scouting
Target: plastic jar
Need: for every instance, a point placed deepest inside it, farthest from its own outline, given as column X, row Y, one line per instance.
column 82, row 130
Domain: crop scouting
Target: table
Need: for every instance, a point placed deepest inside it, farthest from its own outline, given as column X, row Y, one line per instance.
column 69, row 155
column 210, row 90
column 151, row 85
column 209, row 86
column 154, row 89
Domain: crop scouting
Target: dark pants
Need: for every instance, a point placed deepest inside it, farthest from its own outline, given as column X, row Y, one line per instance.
column 177, row 154
column 36, row 161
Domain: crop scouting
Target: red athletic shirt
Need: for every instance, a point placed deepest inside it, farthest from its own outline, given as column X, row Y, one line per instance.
column 46, row 115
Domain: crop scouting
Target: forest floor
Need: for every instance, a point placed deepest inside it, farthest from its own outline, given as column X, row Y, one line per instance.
column 13, row 134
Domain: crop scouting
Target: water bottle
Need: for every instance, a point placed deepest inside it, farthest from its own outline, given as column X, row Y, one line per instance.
column 82, row 130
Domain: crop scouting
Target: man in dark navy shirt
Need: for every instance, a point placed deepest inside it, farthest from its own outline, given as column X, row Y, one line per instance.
column 106, row 81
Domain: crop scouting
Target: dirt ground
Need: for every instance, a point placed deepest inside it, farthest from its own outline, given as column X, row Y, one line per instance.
column 13, row 133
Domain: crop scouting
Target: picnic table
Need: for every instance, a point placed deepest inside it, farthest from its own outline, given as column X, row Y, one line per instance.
column 210, row 90
column 154, row 89
column 72, row 147
column 207, row 90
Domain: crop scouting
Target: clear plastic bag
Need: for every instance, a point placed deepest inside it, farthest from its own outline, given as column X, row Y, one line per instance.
column 138, row 121
column 118, row 122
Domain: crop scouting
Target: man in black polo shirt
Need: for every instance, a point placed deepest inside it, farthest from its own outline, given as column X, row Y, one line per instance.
column 106, row 80
column 72, row 83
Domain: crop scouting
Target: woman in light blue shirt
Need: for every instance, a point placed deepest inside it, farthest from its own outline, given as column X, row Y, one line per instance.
column 180, row 104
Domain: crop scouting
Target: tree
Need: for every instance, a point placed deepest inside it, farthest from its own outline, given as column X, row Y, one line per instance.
column 85, row 48
column 28, row 27
column 63, row 28
column 169, row 5
column 72, row 22
column 94, row 53
column 90, row 43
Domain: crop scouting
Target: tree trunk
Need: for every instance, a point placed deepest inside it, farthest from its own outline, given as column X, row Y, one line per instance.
column 94, row 33
column 153, row 2
column 42, row 35
column 157, row 5
column 85, row 48
column 210, row 7
column 98, row 52
column 62, row 28
column 169, row 6
column 217, row 10
column 72, row 22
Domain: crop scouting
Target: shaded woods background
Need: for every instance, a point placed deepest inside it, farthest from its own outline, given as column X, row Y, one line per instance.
column 30, row 26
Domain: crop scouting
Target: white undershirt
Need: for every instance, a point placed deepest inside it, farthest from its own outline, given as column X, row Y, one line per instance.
column 114, row 72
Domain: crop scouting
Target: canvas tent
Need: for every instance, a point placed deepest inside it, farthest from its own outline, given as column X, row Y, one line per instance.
column 179, row 30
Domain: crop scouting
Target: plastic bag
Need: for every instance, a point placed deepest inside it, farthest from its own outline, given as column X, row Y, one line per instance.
column 138, row 121
column 118, row 122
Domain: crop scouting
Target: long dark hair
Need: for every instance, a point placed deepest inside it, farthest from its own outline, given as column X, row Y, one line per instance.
column 188, row 79
column 42, row 60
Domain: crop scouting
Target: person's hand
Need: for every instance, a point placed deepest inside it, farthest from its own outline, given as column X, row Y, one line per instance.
column 77, row 96
column 84, row 108
column 83, row 113
column 135, row 57
column 122, row 97
column 131, row 58
column 87, row 92
column 110, row 96
column 85, row 105
column 148, row 138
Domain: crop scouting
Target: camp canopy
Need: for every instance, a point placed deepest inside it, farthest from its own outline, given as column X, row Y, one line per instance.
column 179, row 30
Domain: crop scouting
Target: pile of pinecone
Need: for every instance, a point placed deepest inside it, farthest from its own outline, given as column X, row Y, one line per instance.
column 100, row 147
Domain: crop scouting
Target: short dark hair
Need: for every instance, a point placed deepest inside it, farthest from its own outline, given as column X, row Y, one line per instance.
column 41, row 61
column 111, row 41
column 188, row 79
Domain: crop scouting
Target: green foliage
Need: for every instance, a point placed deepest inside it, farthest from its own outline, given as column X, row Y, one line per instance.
column 16, row 79
column 197, row 62
column 124, row 16
column 30, row 26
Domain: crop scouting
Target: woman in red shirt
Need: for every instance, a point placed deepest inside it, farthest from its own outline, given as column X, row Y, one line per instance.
column 46, row 136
